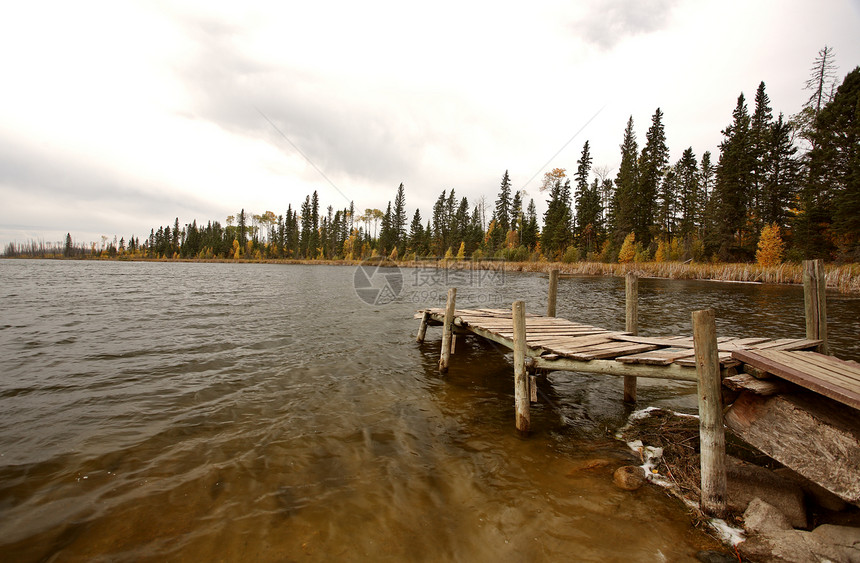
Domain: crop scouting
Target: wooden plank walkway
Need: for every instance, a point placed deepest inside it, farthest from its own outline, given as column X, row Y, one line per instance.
column 826, row 375
column 559, row 344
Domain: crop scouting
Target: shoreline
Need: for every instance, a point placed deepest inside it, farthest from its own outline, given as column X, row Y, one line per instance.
column 844, row 278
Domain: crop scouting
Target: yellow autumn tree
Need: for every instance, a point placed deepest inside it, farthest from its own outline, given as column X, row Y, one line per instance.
column 461, row 253
column 628, row 249
column 770, row 246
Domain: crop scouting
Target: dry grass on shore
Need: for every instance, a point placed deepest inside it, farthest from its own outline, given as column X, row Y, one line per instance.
column 844, row 278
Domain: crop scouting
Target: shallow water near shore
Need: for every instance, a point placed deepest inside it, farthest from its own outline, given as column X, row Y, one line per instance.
column 167, row 411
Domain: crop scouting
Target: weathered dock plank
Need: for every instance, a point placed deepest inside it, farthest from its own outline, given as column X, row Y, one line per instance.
column 826, row 375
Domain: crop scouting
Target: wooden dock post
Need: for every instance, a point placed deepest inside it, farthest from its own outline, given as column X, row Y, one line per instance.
column 448, row 330
column 712, row 437
column 815, row 302
column 422, row 329
column 553, row 292
column 521, row 380
column 631, row 325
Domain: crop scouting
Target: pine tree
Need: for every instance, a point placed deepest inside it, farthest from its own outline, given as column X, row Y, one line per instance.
column 687, row 175
column 667, row 195
column 623, row 210
column 781, row 174
column 557, row 235
column 530, row 233
column 760, row 141
column 583, row 170
column 398, row 219
column 314, row 240
column 588, row 217
column 67, row 251
column 733, row 178
column 652, row 167
column 416, row 235
column 306, row 242
column 503, row 204
column 243, row 227
column 706, row 208
column 516, row 212
column 386, row 233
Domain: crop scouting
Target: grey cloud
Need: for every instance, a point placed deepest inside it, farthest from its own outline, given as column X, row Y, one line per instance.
column 608, row 22
column 351, row 131
column 81, row 193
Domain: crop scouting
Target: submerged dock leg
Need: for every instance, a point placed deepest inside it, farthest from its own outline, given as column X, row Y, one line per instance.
column 448, row 330
column 815, row 302
column 422, row 330
column 712, row 437
column 553, row 293
column 631, row 325
column 521, row 380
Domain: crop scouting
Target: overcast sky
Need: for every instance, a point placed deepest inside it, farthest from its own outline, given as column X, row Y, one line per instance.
column 120, row 116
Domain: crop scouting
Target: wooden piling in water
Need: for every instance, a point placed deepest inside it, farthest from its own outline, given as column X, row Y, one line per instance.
column 712, row 437
column 521, row 380
column 553, row 292
column 815, row 302
column 448, row 330
column 422, row 329
column 631, row 325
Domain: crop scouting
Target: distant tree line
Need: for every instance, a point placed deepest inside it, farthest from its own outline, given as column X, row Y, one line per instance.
column 796, row 179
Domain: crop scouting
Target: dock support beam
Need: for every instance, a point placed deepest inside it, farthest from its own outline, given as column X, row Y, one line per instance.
column 553, row 292
column 448, row 330
column 521, row 380
column 422, row 329
column 815, row 302
column 631, row 325
column 712, row 437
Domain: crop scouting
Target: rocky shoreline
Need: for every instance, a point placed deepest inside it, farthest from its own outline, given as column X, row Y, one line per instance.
column 775, row 515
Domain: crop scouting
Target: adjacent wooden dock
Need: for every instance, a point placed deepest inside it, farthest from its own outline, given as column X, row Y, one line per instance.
column 548, row 343
column 553, row 343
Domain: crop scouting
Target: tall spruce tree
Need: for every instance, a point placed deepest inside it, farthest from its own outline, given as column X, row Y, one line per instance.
column 503, row 204
column 583, row 171
column 706, row 211
column 761, row 125
column 735, row 237
column 386, row 233
column 516, row 212
column 307, row 234
column 416, row 236
column 398, row 220
column 689, row 194
column 623, row 209
column 652, row 168
column 530, row 233
column 781, row 174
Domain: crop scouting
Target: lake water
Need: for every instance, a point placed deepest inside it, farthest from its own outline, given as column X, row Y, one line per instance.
column 174, row 411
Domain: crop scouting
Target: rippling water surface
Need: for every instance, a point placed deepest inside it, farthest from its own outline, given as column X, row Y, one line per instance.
column 153, row 411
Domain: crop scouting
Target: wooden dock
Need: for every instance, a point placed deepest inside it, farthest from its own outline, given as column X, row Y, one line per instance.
column 553, row 343
column 774, row 418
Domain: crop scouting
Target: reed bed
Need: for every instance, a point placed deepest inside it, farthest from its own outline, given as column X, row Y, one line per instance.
column 844, row 278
